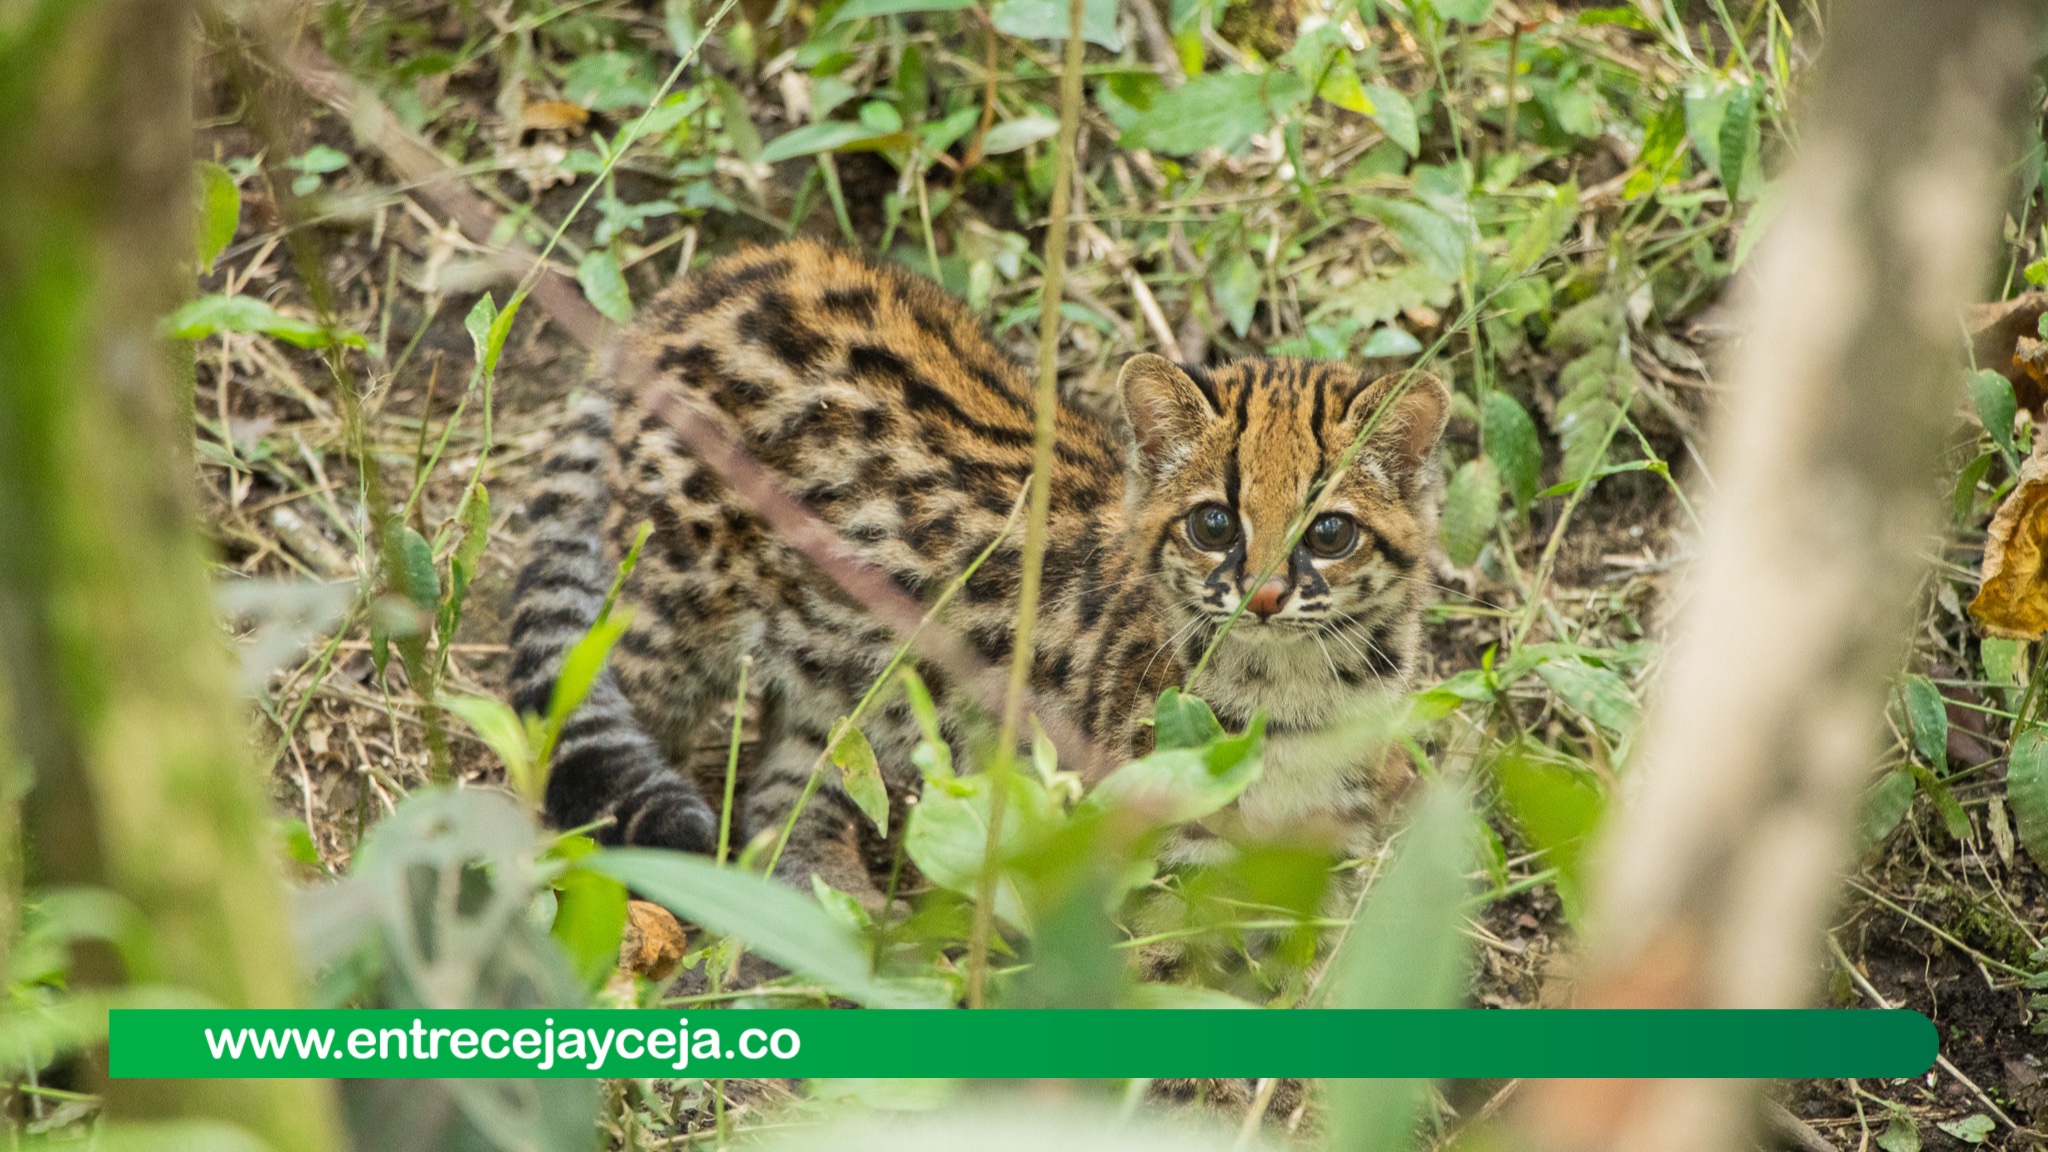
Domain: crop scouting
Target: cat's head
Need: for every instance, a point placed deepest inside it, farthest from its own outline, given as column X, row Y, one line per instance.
column 1224, row 460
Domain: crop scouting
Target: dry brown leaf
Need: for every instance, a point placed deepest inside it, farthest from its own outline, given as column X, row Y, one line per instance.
column 547, row 115
column 2012, row 601
column 653, row 944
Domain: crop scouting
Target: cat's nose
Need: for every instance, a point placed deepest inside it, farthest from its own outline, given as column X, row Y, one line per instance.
column 1266, row 600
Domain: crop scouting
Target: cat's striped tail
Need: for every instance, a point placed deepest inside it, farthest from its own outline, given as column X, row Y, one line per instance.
column 606, row 767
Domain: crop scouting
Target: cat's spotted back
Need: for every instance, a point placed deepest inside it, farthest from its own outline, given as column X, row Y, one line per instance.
column 891, row 415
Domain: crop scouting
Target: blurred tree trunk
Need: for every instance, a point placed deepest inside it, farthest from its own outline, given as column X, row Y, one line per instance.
column 1718, row 877
column 122, row 704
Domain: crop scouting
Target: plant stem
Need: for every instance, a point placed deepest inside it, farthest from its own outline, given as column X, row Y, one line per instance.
column 1048, row 399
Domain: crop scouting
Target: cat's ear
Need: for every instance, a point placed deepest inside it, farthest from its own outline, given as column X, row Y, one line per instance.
column 1416, row 407
column 1166, row 408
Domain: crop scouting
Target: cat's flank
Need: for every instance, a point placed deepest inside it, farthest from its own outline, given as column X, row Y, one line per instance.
column 891, row 415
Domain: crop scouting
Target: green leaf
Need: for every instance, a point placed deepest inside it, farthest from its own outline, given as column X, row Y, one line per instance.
column 203, row 317
column 1340, row 85
column 860, row 775
column 1953, row 818
column 1176, row 785
column 1885, row 805
column 298, row 842
column 474, row 517
column 947, row 836
column 1406, row 950
column 481, row 319
column 605, row 286
column 933, row 756
column 1182, row 721
column 2002, row 661
column 1928, row 715
column 1050, row 19
column 1593, row 692
column 1426, row 234
column 422, row 584
column 811, row 139
column 607, row 82
column 1469, row 11
column 1557, row 806
column 220, row 212
column 856, row 9
column 1215, row 110
column 2026, row 792
column 1395, row 116
column 502, row 729
column 1235, row 287
column 581, row 666
column 1391, row 340
column 1996, row 407
column 1511, row 444
column 773, row 919
column 1471, row 504
column 1738, row 124
column 590, row 920
column 1967, row 481
column 1012, row 135
column 1663, row 146
column 1971, row 1129
column 1900, row 1135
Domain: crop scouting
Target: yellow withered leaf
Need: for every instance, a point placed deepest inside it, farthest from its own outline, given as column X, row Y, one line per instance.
column 552, row 114
column 2012, row 601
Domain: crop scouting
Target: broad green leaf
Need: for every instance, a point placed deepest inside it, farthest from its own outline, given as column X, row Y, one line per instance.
column 318, row 160
column 1182, row 721
column 1593, row 692
column 1426, row 234
column 1553, row 220
column 298, row 842
column 203, row 317
column 1663, row 148
column 811, row 139
column 855, row 9
column 421, row 583
column 1967, row 480
column 1011, row 135
column 2026, row 792
column 1395, row 116
column 1177, row 996
column 1340, row 85
column 590, row 920
column 2002, row 660
column 1885, row 805
column 1406, row 950
column 1971, row 1129
column 1215, row 110
column 581, row 666
column 1471, row 504
column 1177, row 785
column 860, row 775
column 1901, row 1135
column 1469, row 11
column 1050, row 19
column 1996, row 407
column 506, row 733
column 1391, row 340
column 773, row 919
column 607, row 82
column 1928, row 715
column 1511, row 444
column 1557, row 807
column 1235, row 287
column 220, row 212
column 605, row 286
column 947, row 836
column 1953, row 818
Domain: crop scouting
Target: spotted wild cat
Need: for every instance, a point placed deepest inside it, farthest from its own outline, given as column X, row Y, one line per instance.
column 892, row 416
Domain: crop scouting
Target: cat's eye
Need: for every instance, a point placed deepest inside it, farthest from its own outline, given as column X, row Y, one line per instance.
column 1332, row 535
column 1212, row 528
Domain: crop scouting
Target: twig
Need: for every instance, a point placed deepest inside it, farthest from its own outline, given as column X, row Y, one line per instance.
column 1864, row 985
column 1148, row 305
column 1033, row 562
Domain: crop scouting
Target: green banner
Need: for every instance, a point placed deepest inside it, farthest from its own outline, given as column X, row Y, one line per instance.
column 172, row 1043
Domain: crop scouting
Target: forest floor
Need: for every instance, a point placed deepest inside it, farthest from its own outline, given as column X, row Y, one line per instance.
column 1950, row 925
